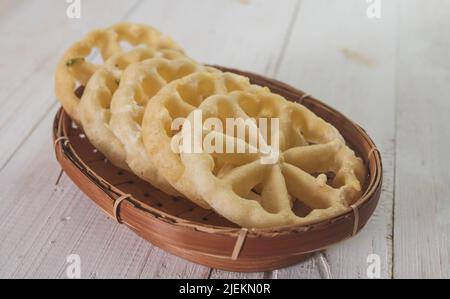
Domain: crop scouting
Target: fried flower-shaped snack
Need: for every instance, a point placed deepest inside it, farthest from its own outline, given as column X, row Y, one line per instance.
column 74, row 70
column 312, row 164
column 96, row 102
column 139, row 84
column 178, row 100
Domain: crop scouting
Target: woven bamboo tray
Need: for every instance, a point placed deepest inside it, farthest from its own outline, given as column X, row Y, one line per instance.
column 186, row 230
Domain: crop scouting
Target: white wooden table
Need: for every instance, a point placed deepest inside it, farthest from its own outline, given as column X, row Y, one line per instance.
column 391, row 75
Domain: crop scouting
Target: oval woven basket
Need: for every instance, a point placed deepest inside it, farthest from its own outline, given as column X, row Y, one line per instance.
column 186, row 230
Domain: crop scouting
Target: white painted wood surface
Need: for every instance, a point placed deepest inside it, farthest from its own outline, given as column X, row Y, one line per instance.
column 422, row 206
column 390, row 75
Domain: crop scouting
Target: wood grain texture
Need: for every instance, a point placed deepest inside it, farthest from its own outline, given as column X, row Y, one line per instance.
column 389, row 75
column 348, row 61
column 422, row 207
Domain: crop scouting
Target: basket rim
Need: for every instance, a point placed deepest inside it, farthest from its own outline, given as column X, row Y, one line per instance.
column 60, row 134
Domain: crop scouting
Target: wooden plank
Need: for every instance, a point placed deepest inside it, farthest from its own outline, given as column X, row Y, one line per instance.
column 422, row 206
column 34, row 36
column 347, row 60
column 243, row 34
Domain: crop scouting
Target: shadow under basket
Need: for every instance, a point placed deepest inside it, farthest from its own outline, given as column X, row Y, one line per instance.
column 202, row 236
